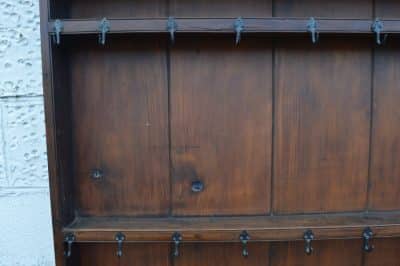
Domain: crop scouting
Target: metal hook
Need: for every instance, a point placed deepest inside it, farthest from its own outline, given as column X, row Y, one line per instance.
column 308, row 238
column 58, row 28
column 239, row 27
column 367, row 236
column 104, row 27
column 377, row 28
column 119, row 237
column 312, row 29
column 244, row 238
column 176, row 238
column 172, row 27
column 97, row 174
column 69, row 239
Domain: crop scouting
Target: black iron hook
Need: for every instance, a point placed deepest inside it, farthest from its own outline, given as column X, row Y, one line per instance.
column 377, row 28
column 172, row 27
column 312, row 28
column 239, row 27
column 244, row 238
column 58, row 28
column 69, row 239
column 308, row 238
column 367, row 236
column 104, row 27
column 176, row 238
column 119, row 237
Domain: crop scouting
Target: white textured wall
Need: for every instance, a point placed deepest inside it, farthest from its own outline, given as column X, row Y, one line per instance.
column 25, row 222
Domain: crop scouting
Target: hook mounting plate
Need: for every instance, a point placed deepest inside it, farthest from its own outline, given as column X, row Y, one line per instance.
column 104, row 27
column 312, row 28
column 244, row 238
column 58, row 28
column 367, row 236
column 308, row 238
column 239, row 27
column 69, row 239
column 172, row 26
column 119, row 237
column 377, row 28
column 177, row 239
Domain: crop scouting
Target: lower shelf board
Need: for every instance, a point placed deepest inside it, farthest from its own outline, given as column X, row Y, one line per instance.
column 228, row 229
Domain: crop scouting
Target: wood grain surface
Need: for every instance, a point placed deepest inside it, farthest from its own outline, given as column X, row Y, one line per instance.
column 221, row 120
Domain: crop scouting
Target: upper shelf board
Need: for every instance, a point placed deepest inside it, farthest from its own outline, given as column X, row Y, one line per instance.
column 223, row 25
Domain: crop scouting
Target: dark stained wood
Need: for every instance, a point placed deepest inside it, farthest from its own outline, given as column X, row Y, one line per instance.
column 109, row 8
column 99, row 255
column 260, row 228
column 132, row 254
column 221, row 120
column 321, row 126
column 385, row 169
column 322, row 8
column 322, row 115
column 275, row 128
column 221, row 8
column 222, row 254
column 120, row 121
column 387, row 9
column 327, row 253
column 386, row 252
column 61, row 199
column 221, row 25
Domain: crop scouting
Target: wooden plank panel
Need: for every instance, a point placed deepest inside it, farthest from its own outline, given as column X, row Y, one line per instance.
column 322, row 126
column 385, row 168
column 116, row 8
column 120, row 121
column 215, row 254
column 102, row 254
column 221, row 126
column 221, row 8
column 387, row 9
column 153, row 254
column 322, row 8
column 326, row 253
column 386, row 252
column 99, row 254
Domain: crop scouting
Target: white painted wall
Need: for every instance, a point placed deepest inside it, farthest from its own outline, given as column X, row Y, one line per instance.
column 25, row 221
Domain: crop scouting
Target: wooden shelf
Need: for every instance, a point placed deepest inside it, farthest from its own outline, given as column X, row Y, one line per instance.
column 219, row 25
column 228, row 229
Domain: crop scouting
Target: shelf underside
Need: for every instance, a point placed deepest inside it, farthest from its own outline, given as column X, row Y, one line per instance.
column 226, row 25
column 228, row 229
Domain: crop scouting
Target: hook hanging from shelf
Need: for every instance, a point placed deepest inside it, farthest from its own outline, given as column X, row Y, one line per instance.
column 177, row 239
column 308, row 238
column 171, row 28
column 119, row 237
column 69, row 239
column 367, row 236
column 239, row 27
column 244, row 238
column 377, row 28
column 312, row 28
column 104, row 27
column 58, row 28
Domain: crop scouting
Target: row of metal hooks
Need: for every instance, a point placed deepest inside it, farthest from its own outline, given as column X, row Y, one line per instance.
column 244, row 239
column 238, row 27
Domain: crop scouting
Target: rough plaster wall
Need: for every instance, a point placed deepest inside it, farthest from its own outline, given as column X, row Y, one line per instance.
column 25, row 223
